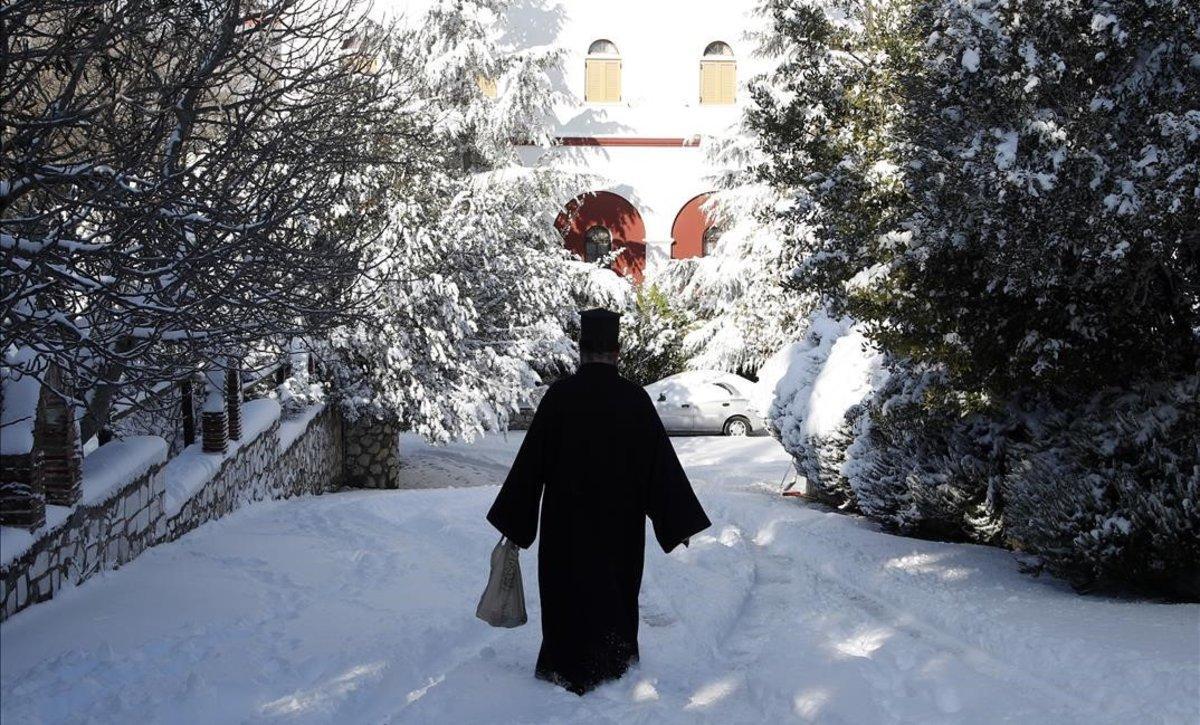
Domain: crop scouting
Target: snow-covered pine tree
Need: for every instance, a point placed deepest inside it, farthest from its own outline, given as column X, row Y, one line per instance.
column 1001, row 188
column 478, row 292
column 825, row 119
column 741, row 308
column 1054, row 174
column 820, row 124
column 1002, row 192
column 652, row 331
column 1054, row 169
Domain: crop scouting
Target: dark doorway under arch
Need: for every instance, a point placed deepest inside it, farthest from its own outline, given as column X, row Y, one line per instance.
column 614, row 214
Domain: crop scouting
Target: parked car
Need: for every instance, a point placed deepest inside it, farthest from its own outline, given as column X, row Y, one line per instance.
column 706, row 402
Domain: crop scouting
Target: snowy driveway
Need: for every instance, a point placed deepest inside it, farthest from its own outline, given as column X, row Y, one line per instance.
column 358, row 607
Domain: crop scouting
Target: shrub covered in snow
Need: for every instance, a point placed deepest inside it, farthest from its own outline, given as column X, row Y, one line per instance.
column 652, row 333
column 1003, row 194
column 1109, row 490
column 928, row 470
column 817, row 392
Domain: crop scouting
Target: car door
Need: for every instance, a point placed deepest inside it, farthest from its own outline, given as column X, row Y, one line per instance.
column 670, row 409
column 712, row 408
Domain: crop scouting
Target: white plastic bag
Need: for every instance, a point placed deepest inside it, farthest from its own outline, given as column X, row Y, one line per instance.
column 503, row 600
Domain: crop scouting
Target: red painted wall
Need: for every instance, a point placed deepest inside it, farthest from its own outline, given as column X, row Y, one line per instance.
column 613, row 212
column 688, row 229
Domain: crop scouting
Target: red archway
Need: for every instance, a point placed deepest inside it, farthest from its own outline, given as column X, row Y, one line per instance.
column 688, row 230
column 618, row 216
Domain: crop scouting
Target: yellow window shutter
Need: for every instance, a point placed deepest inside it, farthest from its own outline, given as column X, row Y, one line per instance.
column 708, row 82
column 612, row 81
column 718, row 82
column 594, row 83
column 728, row 92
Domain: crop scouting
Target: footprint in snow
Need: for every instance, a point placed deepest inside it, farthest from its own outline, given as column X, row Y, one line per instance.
column 655, row 616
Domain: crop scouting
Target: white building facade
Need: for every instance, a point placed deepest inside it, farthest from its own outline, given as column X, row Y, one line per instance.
column 647, row 79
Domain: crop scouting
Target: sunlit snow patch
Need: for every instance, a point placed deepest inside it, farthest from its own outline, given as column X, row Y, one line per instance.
column 712, row 693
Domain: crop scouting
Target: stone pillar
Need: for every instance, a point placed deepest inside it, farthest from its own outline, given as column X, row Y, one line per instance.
column 57, row 455
column 233, row 401
column 372, row 454
column 214, row 431
column 21, row 501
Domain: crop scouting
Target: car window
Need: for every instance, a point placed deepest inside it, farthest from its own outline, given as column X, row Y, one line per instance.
column 728, row 388
column 710, row 393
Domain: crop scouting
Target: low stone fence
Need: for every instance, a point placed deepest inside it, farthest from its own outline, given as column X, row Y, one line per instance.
column 112, row 524
column 298, row 457
column 134, row 498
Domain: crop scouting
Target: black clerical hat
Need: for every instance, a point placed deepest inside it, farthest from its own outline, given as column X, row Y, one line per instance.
column 598, row 330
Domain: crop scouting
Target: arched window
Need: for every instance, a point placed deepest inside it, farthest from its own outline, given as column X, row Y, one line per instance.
column 718, row 75
column 603, row 73
column 597, row 223
column 718, row 49
column 709, row 241
column 603, row 47
column 599, row 243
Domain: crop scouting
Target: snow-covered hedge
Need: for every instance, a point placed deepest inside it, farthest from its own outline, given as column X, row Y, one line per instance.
column 1103, row 492
column 652, row 331
column 1109, row 491
column 819, row 383
column 923, row 472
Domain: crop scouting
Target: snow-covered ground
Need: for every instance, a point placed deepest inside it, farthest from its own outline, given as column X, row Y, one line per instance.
column 359, row 607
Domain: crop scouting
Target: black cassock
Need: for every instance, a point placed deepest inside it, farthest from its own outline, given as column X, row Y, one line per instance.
column 598, row 458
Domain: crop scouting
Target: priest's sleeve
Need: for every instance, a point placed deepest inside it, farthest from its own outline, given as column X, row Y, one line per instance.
column 515, row 511
column 671, row 503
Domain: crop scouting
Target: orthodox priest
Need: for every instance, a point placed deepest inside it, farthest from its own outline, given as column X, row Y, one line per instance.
column 597, row 459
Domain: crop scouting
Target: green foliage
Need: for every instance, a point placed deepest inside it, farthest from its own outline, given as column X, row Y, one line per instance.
column 929, row 471
column 1005, row 194
column 827, row 116
column 1052, row 190
column 1003, row 190
column 1108, row 491
column 652, row 338
column 822, row 462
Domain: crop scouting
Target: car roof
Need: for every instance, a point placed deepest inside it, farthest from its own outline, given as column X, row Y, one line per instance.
column 694, row 382
column 697, row 377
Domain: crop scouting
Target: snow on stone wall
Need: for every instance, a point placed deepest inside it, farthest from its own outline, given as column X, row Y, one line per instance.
column 125, row 508
column 265, row 469
column 105, row 530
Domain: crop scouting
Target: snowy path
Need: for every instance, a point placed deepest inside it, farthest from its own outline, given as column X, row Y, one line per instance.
column 358, row 607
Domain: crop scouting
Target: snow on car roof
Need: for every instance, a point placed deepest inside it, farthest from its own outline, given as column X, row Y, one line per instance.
column 695, row 384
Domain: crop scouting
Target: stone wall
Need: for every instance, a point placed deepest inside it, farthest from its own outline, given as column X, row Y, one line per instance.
column 314, row 462
column 259, row 470
column 372, row 454
column 21, row 503
column 92, row 539
column 285, row 459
